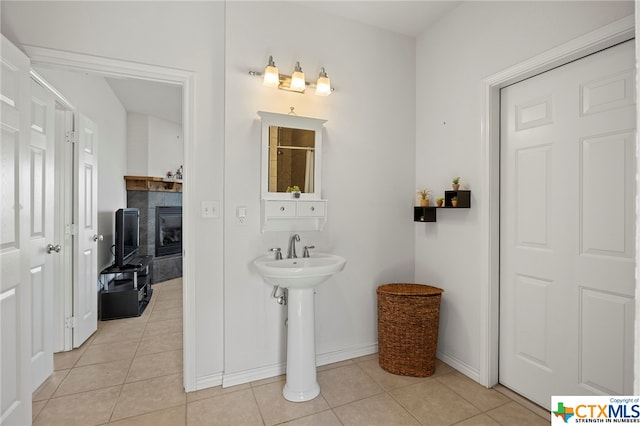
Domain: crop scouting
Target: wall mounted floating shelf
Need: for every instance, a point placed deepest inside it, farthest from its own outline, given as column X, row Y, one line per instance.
column 428, row 214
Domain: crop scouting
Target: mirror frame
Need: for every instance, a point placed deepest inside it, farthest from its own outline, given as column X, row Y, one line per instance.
column 294, row 122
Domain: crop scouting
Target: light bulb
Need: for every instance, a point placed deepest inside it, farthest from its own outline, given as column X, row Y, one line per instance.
column 271, row 75
column 323, row 85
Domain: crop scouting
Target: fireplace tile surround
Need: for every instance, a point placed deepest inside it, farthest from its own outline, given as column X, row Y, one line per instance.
column 165, row 267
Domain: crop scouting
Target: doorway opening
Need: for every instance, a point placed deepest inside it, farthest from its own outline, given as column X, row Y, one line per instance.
column 105, row 67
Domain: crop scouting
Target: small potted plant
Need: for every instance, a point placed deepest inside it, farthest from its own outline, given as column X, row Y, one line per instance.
column 439, row 201
column 423, row 197
column 455, row 183
column 295, row 190
column 454, row 201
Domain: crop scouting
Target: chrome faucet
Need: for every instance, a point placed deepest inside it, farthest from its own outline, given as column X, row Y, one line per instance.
column 291, row 252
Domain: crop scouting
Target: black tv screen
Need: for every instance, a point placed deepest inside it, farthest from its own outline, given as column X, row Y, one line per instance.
column 127, row 235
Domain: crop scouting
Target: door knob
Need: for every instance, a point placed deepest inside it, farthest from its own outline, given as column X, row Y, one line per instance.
column 51, row 247
column 97, row 237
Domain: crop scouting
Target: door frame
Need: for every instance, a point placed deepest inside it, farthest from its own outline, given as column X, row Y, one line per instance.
column 602, row 38
column 108, row 67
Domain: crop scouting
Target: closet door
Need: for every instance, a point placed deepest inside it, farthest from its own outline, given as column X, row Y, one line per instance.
column 567, row 226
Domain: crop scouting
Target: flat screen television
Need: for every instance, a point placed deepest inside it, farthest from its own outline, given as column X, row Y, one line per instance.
column 127, row 236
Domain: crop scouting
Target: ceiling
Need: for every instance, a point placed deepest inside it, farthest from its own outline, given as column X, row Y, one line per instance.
column 401, row 16
column 409, row 18
column 146, row 97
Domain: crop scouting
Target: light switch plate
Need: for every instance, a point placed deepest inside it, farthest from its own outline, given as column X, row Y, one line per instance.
column 209, row 209
column 241, row 214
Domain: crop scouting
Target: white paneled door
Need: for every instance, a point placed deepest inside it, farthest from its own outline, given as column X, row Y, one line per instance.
column 85, row 299
column 15, row 225
column 567, row 229
column 42, row 247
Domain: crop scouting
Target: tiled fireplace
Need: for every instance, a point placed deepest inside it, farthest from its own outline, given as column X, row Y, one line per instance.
column 147, row 194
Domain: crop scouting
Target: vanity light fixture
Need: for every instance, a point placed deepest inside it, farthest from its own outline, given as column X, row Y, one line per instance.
column 294, row 82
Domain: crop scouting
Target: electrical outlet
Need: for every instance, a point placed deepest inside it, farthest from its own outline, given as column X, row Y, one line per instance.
column 209, row 209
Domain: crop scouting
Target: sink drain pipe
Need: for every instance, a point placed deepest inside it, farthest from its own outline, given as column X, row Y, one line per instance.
column 282, row 298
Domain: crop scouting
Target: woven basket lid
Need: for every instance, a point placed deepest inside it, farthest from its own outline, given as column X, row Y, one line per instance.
column 409, row 289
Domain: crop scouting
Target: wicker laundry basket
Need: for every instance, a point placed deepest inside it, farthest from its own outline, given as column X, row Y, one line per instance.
column 408, row 318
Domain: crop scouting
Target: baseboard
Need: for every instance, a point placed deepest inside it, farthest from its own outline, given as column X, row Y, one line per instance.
column 246, row 376
column 462, row 367
column 208, row 381
column 344, row 354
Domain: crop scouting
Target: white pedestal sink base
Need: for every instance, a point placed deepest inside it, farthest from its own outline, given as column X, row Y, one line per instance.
column 301, row 384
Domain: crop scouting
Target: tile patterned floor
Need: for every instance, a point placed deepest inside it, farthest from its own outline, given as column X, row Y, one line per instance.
column 102, row 383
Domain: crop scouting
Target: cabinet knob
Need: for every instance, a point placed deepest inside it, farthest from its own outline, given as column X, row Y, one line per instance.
column 312, row 209
column 282, row 208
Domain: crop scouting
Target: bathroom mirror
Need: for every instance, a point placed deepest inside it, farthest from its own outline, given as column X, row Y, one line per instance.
column 291, row 155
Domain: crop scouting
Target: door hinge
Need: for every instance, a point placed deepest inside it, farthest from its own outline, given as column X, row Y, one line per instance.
column 70, row 322
column 71, row 137
column 74, row 229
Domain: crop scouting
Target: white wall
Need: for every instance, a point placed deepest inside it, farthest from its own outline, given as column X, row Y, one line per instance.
column 137, row 142
column 154, row 145
column 165, row 147
column 368, row 175
column 92, row 97
column 474, row 41
column 182, row 35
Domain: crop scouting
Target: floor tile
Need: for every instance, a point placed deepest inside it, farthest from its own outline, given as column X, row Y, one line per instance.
column 387, row 380
column 479, row 420
column 165, row 314
column 159, row 328
column 442, row 368
column 48, row 388
column 275, row 409
column 154, row 365
column 174, row 416
column 81, row 379
column 346, row 384
column 99, row 353
column 116, row 332
column 324, row 418
column 237, row 408
column 377, row 410
column 149, row 395
column 36, row 407
column 168, row 342
column 66, row 360
column 432, row 403
column 83, row 409
column 483, row 398
column 515, row 414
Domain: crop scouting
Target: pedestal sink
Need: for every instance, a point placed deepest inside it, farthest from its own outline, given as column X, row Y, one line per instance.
column 299, row 276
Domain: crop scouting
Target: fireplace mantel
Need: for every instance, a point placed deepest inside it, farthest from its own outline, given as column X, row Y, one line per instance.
column 150, row 183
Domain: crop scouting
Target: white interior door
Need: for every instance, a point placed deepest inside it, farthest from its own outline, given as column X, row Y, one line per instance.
column 15, row 294
column 42, row 245
column 567, row 229
column 85, row 297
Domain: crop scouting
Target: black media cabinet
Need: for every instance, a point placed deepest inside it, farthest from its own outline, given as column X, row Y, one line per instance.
column 127, row 291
